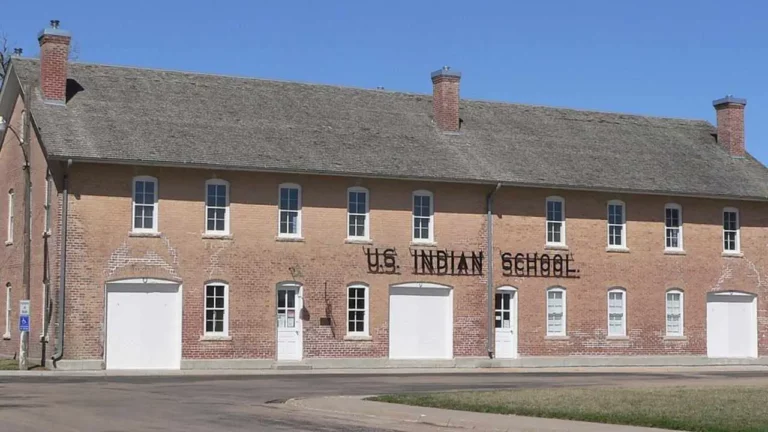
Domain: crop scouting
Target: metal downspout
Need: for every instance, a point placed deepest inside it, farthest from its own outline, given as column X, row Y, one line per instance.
column 59, row 353
column 489, row 278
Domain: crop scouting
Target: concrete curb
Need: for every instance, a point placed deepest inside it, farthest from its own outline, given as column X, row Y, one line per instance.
column 390, row 371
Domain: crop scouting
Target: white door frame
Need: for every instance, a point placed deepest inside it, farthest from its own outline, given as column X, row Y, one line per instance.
column 422, row 285
column 512, row 309
column 136, row 281
column 755, row 321
column 299, row 306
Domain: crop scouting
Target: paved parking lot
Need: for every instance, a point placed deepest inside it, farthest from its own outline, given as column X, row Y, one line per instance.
column 253, row 402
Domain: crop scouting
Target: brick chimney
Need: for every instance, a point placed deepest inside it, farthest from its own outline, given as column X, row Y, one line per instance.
column 54, row 51
column 445, row 98
column 730, row 124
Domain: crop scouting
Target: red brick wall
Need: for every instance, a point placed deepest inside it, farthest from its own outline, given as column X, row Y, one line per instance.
column 11, row 256
column 253, row 262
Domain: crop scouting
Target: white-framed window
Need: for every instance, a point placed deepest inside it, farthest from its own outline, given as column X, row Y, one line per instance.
column 357, row 310
column 23, row 134
column 358, row 215
column 145, row 204
column 423, row 216
column 217, row 207
column 617, row 312
column 216, row 308
column 731, row 229
column 7, row 334
column 617, row 224
column 555, row 221
column 47, row 205
column 673, row 227
column 556, row 311
column 11, row 217
column 289, row 209
column 674, row 312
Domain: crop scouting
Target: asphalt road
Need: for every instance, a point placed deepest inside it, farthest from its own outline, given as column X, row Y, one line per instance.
column 253, row 403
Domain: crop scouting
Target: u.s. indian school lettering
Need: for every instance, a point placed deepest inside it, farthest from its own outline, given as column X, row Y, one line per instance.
column 464, row 263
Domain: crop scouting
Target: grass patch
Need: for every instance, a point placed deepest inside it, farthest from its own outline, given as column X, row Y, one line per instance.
column 9, row 364
column 697, row 409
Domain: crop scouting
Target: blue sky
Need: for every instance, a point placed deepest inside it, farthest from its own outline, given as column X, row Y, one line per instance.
column 663, row 58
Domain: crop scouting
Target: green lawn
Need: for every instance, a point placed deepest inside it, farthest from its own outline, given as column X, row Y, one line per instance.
column 9, row 364
column 710, row 409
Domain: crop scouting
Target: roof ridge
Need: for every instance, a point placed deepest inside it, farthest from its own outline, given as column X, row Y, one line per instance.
column 394, row 92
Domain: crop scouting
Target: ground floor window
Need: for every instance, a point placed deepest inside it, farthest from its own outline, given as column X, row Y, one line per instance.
column 216, row 299
column 674, row 313
column 357, row 310
column 617, row 312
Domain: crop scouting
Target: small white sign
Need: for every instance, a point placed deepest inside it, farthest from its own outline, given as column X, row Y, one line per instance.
column 24, row 308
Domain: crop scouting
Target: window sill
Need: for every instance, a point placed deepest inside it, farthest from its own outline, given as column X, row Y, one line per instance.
column 424, row 243
column 560, row 247
column 145, row 234
column 733, row 254
column 675, row 338
column 7, row 336
column 617, row 338
column 219, row 338
column 358, row 338
column 212, row 236
column 290, row 239
column 358, row 241
column 615, row 249
column 557, row 337
column 674, row 252
column 9, row 243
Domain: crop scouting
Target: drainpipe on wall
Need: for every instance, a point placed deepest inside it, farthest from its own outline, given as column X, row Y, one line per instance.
column 59, row 353
column 489, row 278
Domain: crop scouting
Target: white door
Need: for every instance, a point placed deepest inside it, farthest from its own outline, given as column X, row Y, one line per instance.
column 289, row 345
column 731, row 325
column 143, row 325
column 506, row 324
column 420, row 321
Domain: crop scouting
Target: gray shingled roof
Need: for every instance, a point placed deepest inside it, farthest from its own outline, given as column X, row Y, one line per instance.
column 146, row 116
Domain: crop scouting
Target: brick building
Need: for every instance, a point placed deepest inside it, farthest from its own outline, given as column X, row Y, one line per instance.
column 183, row 220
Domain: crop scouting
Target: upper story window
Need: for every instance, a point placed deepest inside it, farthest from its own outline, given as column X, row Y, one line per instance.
column 673, row 227
column 674, row 313
column 357, row 310
column 731, row 228
column 556, row 311
column 555, row 221
column 11, row 217
column 217, row 309
column 216, row 207
column 617, row 312
column 617, row 225
column 290, row 210
column 423, row 216
column 145, row 204
column 357, row 213
column 47, row 205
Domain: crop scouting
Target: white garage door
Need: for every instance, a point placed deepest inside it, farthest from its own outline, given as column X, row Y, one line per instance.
column 420, row 321
column 731, row 325
column 143, row 325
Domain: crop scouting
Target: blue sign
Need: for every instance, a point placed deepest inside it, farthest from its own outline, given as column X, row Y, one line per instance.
column 24, row 323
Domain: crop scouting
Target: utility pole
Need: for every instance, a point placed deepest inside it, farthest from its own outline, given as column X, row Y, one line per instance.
column 24, row 351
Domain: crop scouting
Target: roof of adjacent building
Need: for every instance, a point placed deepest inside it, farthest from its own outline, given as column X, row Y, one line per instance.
column 145, row 116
